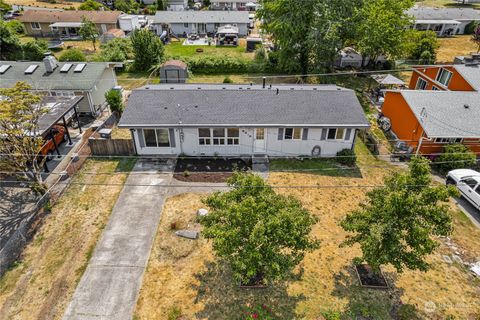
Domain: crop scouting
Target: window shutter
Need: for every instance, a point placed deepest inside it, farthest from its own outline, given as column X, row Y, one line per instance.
column 280, row 133
column 324, row 134
column 305, row 134
column 171, row 133
column 347, row 134
column 141, row 138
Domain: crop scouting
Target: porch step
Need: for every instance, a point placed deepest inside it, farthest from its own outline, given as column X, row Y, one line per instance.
column 260, row 159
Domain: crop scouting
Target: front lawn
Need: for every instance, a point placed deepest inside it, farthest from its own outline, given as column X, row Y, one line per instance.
column 41, row 285
column 183, row 276
column 451, row 47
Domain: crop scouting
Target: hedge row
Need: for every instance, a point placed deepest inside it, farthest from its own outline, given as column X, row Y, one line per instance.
column 213, row 65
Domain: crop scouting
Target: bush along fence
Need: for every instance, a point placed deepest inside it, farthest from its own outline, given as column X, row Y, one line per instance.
column 214, row 65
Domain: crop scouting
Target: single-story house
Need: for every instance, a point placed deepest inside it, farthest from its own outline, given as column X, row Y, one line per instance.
column 457, row 77
column 88, row 79
column 65, row 24
column 241, row 5
column 444, row 21
column 202, row 22
column 428, row 120
column 243, row 120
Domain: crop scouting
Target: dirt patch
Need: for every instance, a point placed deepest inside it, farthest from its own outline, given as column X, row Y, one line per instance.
column 43, row 281
column 207, row 169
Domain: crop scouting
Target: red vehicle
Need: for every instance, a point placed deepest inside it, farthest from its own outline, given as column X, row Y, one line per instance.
column 59, row 134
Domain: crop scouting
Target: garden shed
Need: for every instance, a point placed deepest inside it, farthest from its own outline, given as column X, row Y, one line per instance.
column 174, row 71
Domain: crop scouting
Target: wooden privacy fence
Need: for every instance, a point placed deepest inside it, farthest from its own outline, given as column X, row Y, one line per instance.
column 111, row 147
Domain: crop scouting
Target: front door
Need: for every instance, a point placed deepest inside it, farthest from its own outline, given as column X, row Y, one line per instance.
column 259, row 143
column 201, row 28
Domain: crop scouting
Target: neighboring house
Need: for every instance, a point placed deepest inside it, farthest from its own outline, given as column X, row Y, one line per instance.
column 349, row 57
column 457, row 77
column 65, row 24
column 233, row 4
column 185, row 22
column 177, row 5
column 238, row 120
column 429, row 120
column 88, row 79
column 443, row 21
column 129, row 22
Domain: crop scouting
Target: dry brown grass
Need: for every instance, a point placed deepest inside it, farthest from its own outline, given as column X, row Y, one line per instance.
column 181, row 273
column 454, row 46
column 121, row 133
column 58, row 5
column 41, row 285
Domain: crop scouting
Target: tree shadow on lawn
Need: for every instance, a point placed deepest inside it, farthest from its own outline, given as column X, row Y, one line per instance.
column 224, row 299
column 367, row 302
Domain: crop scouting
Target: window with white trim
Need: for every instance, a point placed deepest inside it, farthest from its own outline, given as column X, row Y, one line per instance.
column 444, row 76
column 336, row 134
column 62, row 93
column 218, row 136
column 448, row 140
column 293, row 134
column 35, row 25
column 185, row 25
column 421, row 84
column 156, row 138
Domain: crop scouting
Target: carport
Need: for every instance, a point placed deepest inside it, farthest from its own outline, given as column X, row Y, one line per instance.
column 59, row 109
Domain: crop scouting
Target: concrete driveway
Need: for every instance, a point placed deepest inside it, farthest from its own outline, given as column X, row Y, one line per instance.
column 110, row 285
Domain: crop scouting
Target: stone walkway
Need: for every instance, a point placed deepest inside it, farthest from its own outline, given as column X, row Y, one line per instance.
column 110, row 285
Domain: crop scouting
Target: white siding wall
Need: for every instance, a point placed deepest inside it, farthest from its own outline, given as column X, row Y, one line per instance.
column 180, row 28
column 274, row 146
column 105, row 83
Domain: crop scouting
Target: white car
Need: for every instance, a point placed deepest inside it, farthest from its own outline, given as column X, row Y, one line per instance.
column 468, row 183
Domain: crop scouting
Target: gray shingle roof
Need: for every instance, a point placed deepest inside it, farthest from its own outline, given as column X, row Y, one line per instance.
column 443, row 114
column 41, row 80
column 471, row 73
column 237, row 105
column 201, row 17
column 427, row 13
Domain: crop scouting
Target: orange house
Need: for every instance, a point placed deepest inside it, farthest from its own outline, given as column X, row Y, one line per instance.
column 428, row 120
column 457, row 77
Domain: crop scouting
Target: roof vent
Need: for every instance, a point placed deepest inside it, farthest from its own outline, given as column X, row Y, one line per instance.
column 199, row 88
column 224, row 88
column 466, row 106
column 315, row 88
column 31, row 69
column 50, row 63
column 147, row 88
column 171, row 88
column 278, row 91
column 4, row 68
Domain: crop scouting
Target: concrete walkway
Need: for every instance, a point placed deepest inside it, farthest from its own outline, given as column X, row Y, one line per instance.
column 110, row 285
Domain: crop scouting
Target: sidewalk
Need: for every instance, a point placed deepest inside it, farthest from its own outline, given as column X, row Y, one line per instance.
column 110, row 285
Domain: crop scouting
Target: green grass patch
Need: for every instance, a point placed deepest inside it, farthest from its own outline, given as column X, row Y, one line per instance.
column 177, row 49
column 326, row 167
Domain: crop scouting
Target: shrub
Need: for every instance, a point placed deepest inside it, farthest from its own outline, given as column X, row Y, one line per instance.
column 174, row 313
column 470, row 28
column 227, row 80
column 16, row 26
column 74, row 55
column 455, row 156
column 116, row 50
column 346, row 157
column 34, row 50
column 114, row 100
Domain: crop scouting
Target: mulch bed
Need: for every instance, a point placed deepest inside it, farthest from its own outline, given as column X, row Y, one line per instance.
column 370, row 279
column 207, row 169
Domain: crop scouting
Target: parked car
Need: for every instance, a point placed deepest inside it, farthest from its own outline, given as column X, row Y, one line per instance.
column 12, row 14
column 59, row 134
column 468, row 183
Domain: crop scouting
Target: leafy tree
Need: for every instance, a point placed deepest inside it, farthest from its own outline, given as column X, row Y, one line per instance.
column 381, row 27
column 90, row 5
column 261, row 234
column 19, row 115
column 16, row 26
column 476, row 37
column 148, row 49
column 117, row 49
column 397, row 222
column 114, row 100
column 127, row 6
column 10, row 46
column 4, row 7
column 72, row 55
column 421, row 45
column 455, row 156
column 88, row 31
column 35, row 50
column 162, row 5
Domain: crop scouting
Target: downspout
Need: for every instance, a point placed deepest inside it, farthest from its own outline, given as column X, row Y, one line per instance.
column 134, row 142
